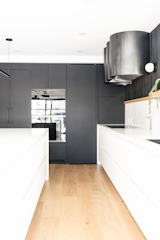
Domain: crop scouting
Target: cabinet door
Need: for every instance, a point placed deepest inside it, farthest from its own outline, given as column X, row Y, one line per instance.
column 39, row 76
column 81, row 114
column 57, row 152
column 4, row 101
column 20, row 99
column 57, row 76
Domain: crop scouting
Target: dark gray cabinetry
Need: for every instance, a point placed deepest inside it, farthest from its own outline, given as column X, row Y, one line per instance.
column 81, row 114
column 15, row 103
column 39, row 76
column 57, row 76
column 110, row 100
column 57, row 152
column 20, row 99
column 4, row 101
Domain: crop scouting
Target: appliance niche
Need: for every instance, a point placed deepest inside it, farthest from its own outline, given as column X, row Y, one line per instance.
column 48, row 110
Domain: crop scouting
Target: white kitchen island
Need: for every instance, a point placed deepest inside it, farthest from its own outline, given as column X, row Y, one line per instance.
column 133, row 165
column 24, row 167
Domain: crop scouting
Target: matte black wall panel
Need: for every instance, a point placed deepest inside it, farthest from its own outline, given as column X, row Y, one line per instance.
column 39, row 76
column 142, row 86
column 81, row 114
column 4, row 101
column 154, row 53
column 111, row 110
column 127, row 93
column 20, row 99
column 57, row 75
column 158, row 53
column 57, row 151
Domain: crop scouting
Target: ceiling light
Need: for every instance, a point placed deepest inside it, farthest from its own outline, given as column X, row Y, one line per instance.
column 80, row 51
column 4, row 73
column 82, row 34
column 17, row 51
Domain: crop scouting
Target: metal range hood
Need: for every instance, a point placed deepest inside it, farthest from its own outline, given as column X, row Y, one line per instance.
column 126, row 55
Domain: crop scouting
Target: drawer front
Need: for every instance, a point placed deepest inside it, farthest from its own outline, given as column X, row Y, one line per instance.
column 17, row 182
column 145, row 213
column 27, row 206
column 105, row 141
column 118, row 150
column 119, row 180
column 105, row 161
column 32, row 161
column 145, row 169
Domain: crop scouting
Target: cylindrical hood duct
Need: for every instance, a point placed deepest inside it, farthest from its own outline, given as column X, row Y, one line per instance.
column 128, row 53
column 108, row 75
column 105, row 66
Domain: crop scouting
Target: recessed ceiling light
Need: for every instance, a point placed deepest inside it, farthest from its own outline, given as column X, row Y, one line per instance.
column 80, row 51
column 49, row 50
column 82, row 34
column 17, row 51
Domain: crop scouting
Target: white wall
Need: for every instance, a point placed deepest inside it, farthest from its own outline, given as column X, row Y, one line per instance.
column 135, row 114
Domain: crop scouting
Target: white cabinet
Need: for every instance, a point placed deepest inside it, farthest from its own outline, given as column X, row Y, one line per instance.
column 105, row 141
column 135, row 174
column 119, row 180
column 144, row 212
column 105, row 161
column 144, row 172
column 21, row 185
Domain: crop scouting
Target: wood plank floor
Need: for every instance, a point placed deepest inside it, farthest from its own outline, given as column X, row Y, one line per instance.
column 79, row 202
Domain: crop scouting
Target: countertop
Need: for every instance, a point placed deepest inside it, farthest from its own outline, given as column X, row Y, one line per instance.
column 137, row 136
column 15, row 142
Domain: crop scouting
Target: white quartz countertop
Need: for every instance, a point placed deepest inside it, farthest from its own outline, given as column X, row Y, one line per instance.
column 15, row 142
column 137, row 136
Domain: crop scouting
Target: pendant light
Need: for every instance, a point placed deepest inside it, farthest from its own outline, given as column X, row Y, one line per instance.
column 4, row 73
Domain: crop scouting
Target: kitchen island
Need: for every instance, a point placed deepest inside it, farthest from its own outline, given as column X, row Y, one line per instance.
column 132, row 162
column 24, row 167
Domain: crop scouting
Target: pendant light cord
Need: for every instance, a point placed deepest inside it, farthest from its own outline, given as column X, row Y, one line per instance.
column 8, row 56
column 9, row 40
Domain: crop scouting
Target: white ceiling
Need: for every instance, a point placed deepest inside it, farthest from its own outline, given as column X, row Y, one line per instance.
column 49, row 31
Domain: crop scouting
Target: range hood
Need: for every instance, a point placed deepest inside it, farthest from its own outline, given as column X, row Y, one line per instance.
column 126, row 55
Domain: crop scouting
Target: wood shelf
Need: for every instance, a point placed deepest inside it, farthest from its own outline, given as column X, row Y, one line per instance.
column 153, row 96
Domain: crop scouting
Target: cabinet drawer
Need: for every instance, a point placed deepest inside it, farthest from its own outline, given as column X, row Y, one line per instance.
column 145, row 173
column 119, row 180
column 145, row 213
column 105, row 161
column 105, row 141
column 32, row 161
column 27, row 206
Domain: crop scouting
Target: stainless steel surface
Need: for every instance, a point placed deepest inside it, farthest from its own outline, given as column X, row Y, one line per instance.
column 129, row 52
column 108, row 76
column 116, row 80
column 105, row 65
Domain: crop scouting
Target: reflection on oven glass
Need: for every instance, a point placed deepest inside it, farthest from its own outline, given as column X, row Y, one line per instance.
column 48, row 109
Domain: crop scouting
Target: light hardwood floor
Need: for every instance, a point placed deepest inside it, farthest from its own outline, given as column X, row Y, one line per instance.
column 79, row 202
